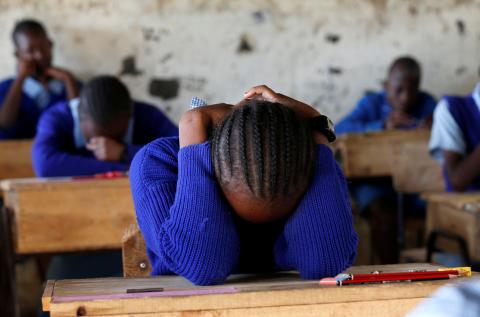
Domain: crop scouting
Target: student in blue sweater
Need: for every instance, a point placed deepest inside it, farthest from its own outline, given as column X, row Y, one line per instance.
column 246, row 188
column 455, row 140
column 99, row 132
column 38, row 83
column 400, row 106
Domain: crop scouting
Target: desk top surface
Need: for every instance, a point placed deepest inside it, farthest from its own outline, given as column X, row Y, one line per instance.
column 464, row 201
column 60, row 182
column 274, row 289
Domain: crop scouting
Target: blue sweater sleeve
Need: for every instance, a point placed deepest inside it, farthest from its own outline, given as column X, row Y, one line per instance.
column 50, row 153
column 319, row 239
column 186, row 223
column 361, row 119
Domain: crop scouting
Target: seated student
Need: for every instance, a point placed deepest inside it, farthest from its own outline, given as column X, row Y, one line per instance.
column 99, row 132
column 37, row 86
column 400, row 106
column 455, row 140
column 259, row 193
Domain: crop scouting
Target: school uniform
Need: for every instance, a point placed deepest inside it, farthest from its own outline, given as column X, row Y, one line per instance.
column 59, row 148
column 34, row 100
column 191, row 230
column 369, row 115
column 373, row 109
column 456, row 128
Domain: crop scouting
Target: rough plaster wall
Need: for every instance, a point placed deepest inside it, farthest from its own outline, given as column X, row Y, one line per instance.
column 324, row 52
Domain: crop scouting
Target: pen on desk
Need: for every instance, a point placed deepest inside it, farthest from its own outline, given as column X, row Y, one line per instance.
column 144, row 290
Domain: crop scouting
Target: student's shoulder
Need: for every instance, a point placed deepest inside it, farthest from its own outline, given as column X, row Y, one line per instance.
column 156, row 160
column 5, row 84
column 372, row 99
column 58, row 114
column 427, row 97
column 144, row 108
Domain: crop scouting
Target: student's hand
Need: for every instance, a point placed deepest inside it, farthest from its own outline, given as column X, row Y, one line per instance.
column 426, row 123
column 106, row 149
column 196, row 124
column 59, row 73
column 26, row 67
column 67, row 78
column 302, row 109
column 397, row 120
column 266, row 93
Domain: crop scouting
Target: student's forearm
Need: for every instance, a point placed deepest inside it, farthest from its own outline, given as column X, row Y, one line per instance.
column 71, row 87
column 11, row 105
column 464, row 171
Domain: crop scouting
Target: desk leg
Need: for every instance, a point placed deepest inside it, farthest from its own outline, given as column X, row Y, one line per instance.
column 9, row 307
column 400, row 220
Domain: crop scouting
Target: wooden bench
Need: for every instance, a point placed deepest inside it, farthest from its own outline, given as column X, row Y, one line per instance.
column 16, row 159
column 56, row 215
column 280, row 294
column 457, row 215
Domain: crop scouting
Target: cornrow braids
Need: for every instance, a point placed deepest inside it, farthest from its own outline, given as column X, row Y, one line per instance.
column 266, row 146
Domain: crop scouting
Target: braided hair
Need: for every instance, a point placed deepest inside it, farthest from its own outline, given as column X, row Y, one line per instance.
column 104, row 99
column 266, row 146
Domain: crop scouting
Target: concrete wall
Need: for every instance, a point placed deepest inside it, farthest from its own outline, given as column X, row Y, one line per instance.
column 324, row 52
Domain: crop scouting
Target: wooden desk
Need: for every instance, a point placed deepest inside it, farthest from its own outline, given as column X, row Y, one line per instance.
column 16, row 159
column 59, row 215
column 281, row 294
column 455, row 213
column 372, row 154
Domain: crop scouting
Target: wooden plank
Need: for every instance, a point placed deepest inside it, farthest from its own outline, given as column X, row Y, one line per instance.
column 16, row 159
column 47, row 295
column 134, row 254
column 414, row 170
column 379, row 308
column 62, row 215
column 372, row 154
column 462, row 201
column 282, row 292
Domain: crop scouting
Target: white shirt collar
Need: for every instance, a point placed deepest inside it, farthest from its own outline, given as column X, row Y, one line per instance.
column 37, row 91
column 476, row 95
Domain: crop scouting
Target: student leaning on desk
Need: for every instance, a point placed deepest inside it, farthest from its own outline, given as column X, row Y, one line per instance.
column 246, row 188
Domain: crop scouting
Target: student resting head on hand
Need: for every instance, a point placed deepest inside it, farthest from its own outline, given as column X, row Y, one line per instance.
column 245, row 188
column 37, row 85
column 99, row 132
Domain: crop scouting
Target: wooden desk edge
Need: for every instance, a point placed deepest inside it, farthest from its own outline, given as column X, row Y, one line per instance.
column 47, row 295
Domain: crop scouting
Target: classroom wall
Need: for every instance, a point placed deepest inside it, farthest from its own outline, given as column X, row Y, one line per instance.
column 327, row 53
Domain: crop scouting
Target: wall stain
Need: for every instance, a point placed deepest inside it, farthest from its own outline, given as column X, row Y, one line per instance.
column 460, row 70
column 258, row 16
column 165, row 58
column 460, row 27
column 332, row 38
column 335, row 70
column 245, row 45
column 129, row 67
column 164, row 88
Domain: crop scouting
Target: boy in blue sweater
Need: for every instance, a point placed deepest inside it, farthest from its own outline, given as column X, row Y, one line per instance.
column 37, row 86
column 249, row 188
column 99, row 132
column 455, row 140
column 400, row 106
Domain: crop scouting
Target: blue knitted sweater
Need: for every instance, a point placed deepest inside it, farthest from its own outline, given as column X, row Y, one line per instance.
column 190, row 229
